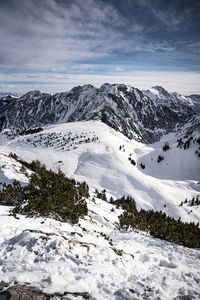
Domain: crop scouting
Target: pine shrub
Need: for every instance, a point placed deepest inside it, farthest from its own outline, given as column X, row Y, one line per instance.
column 160, row 158
column 47, row 194
column 165, row 147
column 158, row 224
column 142, row 165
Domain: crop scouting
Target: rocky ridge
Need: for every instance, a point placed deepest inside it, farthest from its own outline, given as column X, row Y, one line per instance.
column 141, row 115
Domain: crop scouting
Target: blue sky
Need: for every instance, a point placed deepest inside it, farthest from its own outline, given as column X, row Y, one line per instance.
column 53, row 45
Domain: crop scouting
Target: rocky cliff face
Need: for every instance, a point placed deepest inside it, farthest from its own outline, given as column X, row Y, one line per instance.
column 196, row 101
column 143, row 115
column 6, row 98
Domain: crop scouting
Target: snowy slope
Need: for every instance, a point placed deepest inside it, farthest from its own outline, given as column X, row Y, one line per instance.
column 161, row 96
column 93, row 152
column 10, row 169
column 95, row 258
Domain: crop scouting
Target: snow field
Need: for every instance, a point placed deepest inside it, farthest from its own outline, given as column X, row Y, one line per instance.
column 103, row 162
column 59, row 257
column 94, row 256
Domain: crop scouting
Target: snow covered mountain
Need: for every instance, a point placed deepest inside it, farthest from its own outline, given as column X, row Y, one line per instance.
column 196, row 100
column 144, row 116
column 173, row 100
column 195, row 97
column 87, row 146
column 6, row 98
column 95, row 259
column 5, row 94
column 93, row 152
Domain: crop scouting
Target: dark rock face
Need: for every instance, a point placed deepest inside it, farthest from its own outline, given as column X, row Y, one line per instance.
column 196, row 100
column 20, row 292
column 134, row 113
column 5, row 100
column 25, row 292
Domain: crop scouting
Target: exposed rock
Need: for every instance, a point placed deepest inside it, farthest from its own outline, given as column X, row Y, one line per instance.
column 25, row 292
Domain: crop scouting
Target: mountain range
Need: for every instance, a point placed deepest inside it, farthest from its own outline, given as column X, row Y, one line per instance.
column 141, row 115
column 144, row 145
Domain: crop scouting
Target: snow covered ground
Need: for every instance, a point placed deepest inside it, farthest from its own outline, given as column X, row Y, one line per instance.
column 94, row 256
column 93, row 152
column 10, row 169
column 58, row 257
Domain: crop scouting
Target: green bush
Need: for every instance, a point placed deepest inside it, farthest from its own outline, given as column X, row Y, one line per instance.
column 101, row 195
column 48, row 193
column 11, row 194
column 13, row 155
column 142, row 165
column 126, row 203
column 132, row 161
column 166, row 147
column 160, row 158
column 159, row 225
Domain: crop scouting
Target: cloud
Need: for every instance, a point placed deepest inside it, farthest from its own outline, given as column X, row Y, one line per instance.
column 47, row 34
column 173, row 14
column 183, row 82
column 59, row 42
column 56, row 35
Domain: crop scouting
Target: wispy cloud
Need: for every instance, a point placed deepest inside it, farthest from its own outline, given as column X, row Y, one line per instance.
column 182, row 82
column 42, row 40
column 51, row 35
column 48, row 34
column 171, row 13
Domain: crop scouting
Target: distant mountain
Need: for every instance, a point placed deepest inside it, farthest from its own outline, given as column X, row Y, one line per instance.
column 5, row 98
column 173, row 100
column 5, row 94
column 196, row 100
column 142, row 115
column 195, row 97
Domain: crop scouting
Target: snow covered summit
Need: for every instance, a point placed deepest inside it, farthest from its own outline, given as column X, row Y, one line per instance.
column 142, row 115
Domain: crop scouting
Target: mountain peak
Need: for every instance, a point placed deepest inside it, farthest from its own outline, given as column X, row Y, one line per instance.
column 88, row 86
column 5, row 94
column 34, row 93
column 142, row 115
column 105, row 86
column 161, row 90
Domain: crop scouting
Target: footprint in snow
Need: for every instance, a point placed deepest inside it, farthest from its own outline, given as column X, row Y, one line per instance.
column 144, row 258
column 166, row 264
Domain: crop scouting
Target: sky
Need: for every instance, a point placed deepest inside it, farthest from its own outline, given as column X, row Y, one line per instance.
column 54, row 45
